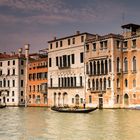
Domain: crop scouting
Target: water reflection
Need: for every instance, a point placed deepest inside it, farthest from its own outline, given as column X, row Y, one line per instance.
column 44, row 124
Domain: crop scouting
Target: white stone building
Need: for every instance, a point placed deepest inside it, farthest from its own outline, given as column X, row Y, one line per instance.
column 12, row 78
column 66, row 72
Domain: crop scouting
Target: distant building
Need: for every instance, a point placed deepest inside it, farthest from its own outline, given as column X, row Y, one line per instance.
column 37, row 80
column 66, row 73
column 12, row 78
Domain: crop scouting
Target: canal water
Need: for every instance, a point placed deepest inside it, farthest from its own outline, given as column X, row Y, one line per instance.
column 44, row 124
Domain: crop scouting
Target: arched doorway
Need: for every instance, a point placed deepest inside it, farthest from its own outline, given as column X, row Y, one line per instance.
column 65, row 99
column 126, row 99
column 54, row 99
column 77, row 100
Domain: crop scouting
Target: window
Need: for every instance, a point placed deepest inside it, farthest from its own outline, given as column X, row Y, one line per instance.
column 94, row 46
column 93, row 84
column 87, row 47
column 118, row 64
column 21, row 93
column 51, row 82
column 30, row 88
column 8, row 72
column 56, row 44
column 109, row 65
column 101, row 45
column 81, row 100
column 90, row 99
column 73, row 41
column 22, row 71
column 0, row 83
column 51, row 46
column 82, row 38
column 7, row 100
column 81, row 57
column 13, row 100
column 4, row 82
column 13, row 93
column 109, row 82
column 68, row 41
column 125, row 65
column 61, row 43
column 118, row 83
column 50, row 62
column 56, row 61
column 125, row 44
column 73, row 100
column 126, row 83
column 73, row 59
column 134, row 43
column 13, row 71
column 0, row 72
column 22, row 62
column 8, row 63
column 33, row 88
column 0, row 64
column 21, row 83
column 89, row 83
column 13, row 62
column 7, row 93
column 134, row 83
column 105, row 44
column 81, row 81
column 8, row 83
column 13, row 83
column 118, row 44
column 134, row 64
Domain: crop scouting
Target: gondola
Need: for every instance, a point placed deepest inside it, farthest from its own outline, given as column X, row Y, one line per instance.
column 73, row 110
column 2, row 106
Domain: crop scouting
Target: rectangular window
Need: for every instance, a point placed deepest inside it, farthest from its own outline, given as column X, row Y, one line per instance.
column 0, row 72
column 8, row 72
column 68, row 41
column 8, row 83
column 73, row 41
column 7, row 93
column 13, row 100
column 51, row 46
column 64, row 60
column 0, row 64
column 13, row 93
column 94, row 46
column 0, row 83
column 105, row 44
column 81, row 57
column 21, row 83
column 81, row 81
column 50, row 62
column 56, row 61
column 72, row 59
column 134, row 43
column 30, row 88
column 56, row 44
column 68, row 60
column 125, row 44
column 82, row 38
column 118, row 44
column 73, row 100
column 7, row 100
column 87, row 47
column 13, row 83
column 51, row 82
column 21, row 93
column 61, row 43
column 22, row 71
column 101, row 45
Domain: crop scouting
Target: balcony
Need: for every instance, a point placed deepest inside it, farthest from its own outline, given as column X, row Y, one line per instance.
column 67, row 87
column 4, row 88
column 133, row 48
column 133, row 71
column 125, row 49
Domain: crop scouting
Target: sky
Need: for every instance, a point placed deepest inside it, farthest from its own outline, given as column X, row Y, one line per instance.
column 35, row 22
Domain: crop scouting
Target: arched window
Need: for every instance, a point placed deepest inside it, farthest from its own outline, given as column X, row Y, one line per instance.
column 118, row 83
column 134, row 63
column 93, row 84
column 97, row 85
column 118, row 64
column 100, row 84
column 109, row 65
column 91, row 68
column 94, row 68
column 125, row 65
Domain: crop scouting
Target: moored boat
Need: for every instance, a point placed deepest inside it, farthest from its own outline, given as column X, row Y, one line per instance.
column 73, row 110
column 2, row 106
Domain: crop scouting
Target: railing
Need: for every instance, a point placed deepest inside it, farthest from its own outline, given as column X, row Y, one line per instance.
column 64, row 67
column 69, row 87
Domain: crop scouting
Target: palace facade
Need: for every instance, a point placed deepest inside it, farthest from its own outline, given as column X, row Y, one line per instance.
column 66, row 73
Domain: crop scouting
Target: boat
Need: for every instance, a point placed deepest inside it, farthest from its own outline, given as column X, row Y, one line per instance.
column 2, row 106
column 73, row 110
column 135, row 107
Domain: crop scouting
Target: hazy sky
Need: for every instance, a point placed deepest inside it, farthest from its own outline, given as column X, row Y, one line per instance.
column 37, row 21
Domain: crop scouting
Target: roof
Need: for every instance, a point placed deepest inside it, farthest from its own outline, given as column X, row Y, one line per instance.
column 130, row 25
column 78, row 34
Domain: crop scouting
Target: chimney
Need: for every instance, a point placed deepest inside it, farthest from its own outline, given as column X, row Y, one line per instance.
column 77, row 32
column 27, row 47
column 96, row 36
column 19, row 52
column 54, row 38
